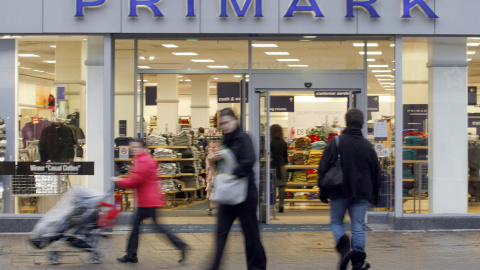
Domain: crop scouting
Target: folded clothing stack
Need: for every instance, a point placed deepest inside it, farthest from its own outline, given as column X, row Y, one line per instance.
column 330, row 136
column 313, row 195
column 202, row 181
column 169, row 185
column 413, row 141
column 320, row 145
column 187, row 169
column 409, row 154
column 298, row 159
column 50, row 184
column 164, row 153
column 167, row 168
column 154, row 139
column 315, row 157
column 182, row 138
column 300, row 195
column 197, row 164
column 312, row 178
column 299, row 176
column 302, row 143
column 191, row 182
column 407, row 174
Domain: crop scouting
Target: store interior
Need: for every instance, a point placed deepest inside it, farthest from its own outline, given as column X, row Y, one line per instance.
column 55, row 66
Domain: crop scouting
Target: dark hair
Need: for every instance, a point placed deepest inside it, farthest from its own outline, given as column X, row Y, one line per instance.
column 276, row 131
column 140, row 141
column 201, row 130
column 226, row 112
column 354, row 118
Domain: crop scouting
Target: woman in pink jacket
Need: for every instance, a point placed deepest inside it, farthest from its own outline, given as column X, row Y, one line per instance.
column 144, row 179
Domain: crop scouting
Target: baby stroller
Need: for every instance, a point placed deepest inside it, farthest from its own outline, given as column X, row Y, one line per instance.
column 77, row 220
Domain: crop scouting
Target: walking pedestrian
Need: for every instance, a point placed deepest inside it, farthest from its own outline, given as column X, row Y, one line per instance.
column 361, row 181
column 143, row 177
column 241, row 145
column 279, row 150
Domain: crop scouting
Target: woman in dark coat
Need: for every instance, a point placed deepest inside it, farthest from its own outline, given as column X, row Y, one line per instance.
column 241, row 145
column 361, row 182
column 278, row 148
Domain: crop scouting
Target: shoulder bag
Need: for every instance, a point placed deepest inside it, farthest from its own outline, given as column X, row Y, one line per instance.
column 334, row 177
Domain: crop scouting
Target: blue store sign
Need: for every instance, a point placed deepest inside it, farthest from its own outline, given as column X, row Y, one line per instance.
column 230, row 92
column 373, row 104
column 282, row 104
column 332, row 94
column 474, row 121
column 415, row 117
column 472, row 95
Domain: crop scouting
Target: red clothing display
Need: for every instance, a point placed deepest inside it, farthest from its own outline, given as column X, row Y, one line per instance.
column 144, row 179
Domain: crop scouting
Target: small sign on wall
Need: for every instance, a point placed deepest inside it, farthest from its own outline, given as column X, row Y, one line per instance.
column 123, row 152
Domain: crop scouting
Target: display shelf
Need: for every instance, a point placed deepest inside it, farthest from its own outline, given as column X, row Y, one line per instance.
column 415, row 147
column 301, row 184
column 414, row 161
column 119, row 159
column 302, row 190
column 409, row 180
column 301, row 167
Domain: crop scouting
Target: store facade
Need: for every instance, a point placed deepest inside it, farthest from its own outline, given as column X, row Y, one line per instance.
column 415, row 57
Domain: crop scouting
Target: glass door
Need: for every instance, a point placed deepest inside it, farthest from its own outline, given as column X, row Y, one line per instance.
column 266, row 189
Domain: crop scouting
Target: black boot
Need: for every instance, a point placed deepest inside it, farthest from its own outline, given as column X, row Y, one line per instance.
column 358, row 260
column 280, row 209
column 183, row 251
column 343, row 247
column 128, row 258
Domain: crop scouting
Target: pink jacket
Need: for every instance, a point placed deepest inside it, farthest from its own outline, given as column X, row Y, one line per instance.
column 144, row 179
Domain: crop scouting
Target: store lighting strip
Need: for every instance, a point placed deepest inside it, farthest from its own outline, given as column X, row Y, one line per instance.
column 378, row 66
column 265, row 45
column 370, row 53
column 28, row 55
column 298, row 65
column 202, row 60
column 184, row 53
column 217, row 66
column 169, row 45
column 277, row 53
column 363, row 44
column 288, row 60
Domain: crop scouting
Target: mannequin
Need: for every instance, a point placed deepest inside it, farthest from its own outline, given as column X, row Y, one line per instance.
column 51, row 102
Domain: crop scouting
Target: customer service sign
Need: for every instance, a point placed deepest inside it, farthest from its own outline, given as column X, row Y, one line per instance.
column 428, row 17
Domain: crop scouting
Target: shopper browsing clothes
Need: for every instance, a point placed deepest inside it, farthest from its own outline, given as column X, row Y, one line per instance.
column 241, row 146
column 143, row 177
column 278, row 148
column 361, row 181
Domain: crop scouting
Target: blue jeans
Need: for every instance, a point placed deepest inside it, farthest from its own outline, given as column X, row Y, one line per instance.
column 357, row 210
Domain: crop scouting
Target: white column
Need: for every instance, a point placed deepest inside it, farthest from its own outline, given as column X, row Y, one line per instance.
column 97, row 124
column 200, row 101
column 167, row 103
column 447, row 120
column 8, row 109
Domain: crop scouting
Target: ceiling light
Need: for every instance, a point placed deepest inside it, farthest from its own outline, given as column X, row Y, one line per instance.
column 191, row 39
column 304, row 40
column 298, row 65
column 188, row 80
column 392, row 45
column 387, row 83
column 389, row 89
column 370, row 60
column 363, row 44
column 265, row 45
column 181, row 80
column 53, row 46
column 24, row 68
column 50, row 61
column 370, row 53
column 28, row 55
column 309, row 36
column 474, row 37
column 144, row 67
column 151, row 58
column 141, row 80
column 169, row 45
column 151, row 84
column 470, row 52
column 50, row 73
column 469, row 59
column 473, row 44
column 41, row 71
column 277, row 53
column 215, row 78
column 213, row 86
column 237, row 76
column 288, row 60
column 385, row 79
column 5, row 37
column 378, row 66
column 247, row 75
column 180, row 76
column 202, row 60
column 381, row 75
column 142, row 57
column 184, row 53
column 381, row 71
column 218, row 66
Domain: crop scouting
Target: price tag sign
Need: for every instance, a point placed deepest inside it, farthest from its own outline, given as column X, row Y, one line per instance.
column 380, row 131
column 124, row 152
column 35, row 120
column 381, row 150
column 300, row 132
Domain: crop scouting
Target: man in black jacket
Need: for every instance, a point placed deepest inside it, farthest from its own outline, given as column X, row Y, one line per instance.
column 361, row 182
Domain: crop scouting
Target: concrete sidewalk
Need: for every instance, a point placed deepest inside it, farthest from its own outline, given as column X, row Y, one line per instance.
column 285, row 250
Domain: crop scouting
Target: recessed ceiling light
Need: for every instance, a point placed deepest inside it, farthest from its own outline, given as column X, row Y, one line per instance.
column 370, row 60
column 288, row 60
column 41, row 71
column 144, row 67
column 28, row 55
column 389, row 89
column 378, row 66
column 237, row 76
column 142, row 57
column 151, row 58
column 392, row 45
column 202, row 60
column 24, row 68
column 53, row 46
column 385, row 79
column 151, row 84
column 191, row 39
column 470, row 52
column 213, row 86
column 169, row 45
column 218, row 66
column 469, row 59
column 181, row 80
column 50, row 61
column 141, row 80
column 6, row 37
column 473, row 44
column 309, row 36
column 298, row 65
column 363, row 44
column 247, row 75
column 184, row 53
column 277, row 53
column 265, row 45
column 188, row 80
column 215, row 78
column 387, row 83
column 381, row 71
column 370, row 53
column 380, row 75
column 50, row 73
column 180, row 76
column 474, row 37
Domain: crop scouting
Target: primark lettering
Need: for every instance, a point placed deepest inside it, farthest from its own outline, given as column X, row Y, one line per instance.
column 310, row 6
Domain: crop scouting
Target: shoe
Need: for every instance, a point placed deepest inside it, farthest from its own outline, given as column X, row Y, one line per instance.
column 280, row 209
column 343, row 248
column 358, row 260
column 128, row 259
column 184, row 253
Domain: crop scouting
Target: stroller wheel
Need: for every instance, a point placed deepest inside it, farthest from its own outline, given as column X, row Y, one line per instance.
column 54, row 258
column 96, row 258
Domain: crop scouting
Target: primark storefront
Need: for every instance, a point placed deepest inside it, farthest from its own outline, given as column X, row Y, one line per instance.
column 96, row 70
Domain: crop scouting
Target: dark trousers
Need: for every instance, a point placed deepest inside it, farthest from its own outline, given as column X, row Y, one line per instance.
column 246, row 211
column 281, row 196
column 141, row 214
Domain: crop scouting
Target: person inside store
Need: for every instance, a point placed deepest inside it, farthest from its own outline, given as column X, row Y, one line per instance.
column 361, row 182
column 202, row 141
column 241, row 145
column 143, row 178
column 279, row 150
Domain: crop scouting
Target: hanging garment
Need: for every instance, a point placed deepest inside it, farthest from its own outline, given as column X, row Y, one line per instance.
column 57, row 143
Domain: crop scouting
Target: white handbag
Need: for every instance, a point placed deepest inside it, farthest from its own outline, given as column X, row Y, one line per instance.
column 228, row 188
